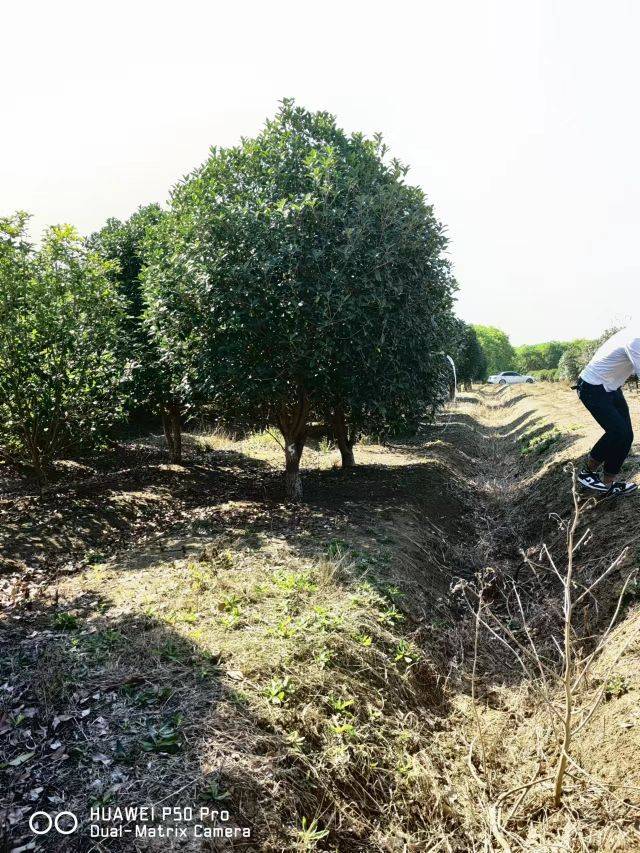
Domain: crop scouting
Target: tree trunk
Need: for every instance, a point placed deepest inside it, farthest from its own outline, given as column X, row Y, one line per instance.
column 293, row 480
column 344, row 440
column 292, row 421
column 177, row 434
column 172, row 432
column 168, row 434
column 36, row 460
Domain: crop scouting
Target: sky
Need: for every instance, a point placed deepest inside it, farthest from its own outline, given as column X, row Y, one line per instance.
column 518, row 119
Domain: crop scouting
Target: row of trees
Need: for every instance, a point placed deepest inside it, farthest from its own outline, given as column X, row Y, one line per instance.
column 555, row 360
column 293, row 278
column 559, row 360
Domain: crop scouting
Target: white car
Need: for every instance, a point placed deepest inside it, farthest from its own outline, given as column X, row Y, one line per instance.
column 509, row 377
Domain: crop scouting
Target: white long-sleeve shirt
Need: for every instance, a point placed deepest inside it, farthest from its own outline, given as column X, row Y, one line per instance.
column 615, row 361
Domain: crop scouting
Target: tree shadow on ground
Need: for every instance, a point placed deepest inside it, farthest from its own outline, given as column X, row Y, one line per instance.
column 101, row 707
column 104, row 511
column 102, row 710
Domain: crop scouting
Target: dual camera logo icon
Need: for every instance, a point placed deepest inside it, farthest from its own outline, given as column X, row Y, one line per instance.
column 65, row 823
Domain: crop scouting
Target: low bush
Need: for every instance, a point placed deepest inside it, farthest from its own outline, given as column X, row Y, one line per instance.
column 545, row 375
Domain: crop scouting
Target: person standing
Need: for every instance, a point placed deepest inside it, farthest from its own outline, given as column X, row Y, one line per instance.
column 600, row 390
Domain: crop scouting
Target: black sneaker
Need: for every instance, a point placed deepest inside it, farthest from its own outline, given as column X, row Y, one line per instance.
column 620, row 488
column 591, row 481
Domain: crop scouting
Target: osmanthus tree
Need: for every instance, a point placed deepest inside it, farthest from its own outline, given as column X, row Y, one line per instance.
column 298, row 277
column 150, row 383
column 469, row 357
column 60, row 366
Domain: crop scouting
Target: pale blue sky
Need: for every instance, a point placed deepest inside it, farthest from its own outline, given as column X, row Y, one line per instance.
column 519, row 119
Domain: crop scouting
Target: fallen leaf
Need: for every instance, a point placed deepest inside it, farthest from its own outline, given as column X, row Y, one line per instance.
column 20, row 759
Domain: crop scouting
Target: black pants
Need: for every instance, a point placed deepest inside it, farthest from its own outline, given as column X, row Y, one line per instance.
column 610, row 410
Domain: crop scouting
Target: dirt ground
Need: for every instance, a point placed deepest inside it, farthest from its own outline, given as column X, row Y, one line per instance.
column 177, row 636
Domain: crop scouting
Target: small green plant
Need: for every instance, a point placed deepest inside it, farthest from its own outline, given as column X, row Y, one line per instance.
column 393, row 592
column 616, row 687
column 231, row 620
column 336, row 549
column 165, row 739
column 390, row 615
column 290, row 581
column 325, row 446
column 537, row 444
column 279, row 690
column 66, row 622
column 170, row 651
column 224, row 560
column 231, row 609
column 295, row 740
column 347, row 730
column 214, row 793
column 201, row 577
column 324, row 657
column 229, row 603
column 404, row 765
column 339, row 704
column 364, row 640
column 188, row 617
column 145, row 698
column 309, row 834
column 405, row 653
column 286, row 628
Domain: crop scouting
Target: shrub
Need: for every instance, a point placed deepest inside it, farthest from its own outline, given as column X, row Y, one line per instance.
column 545, row 375
column 469, row 357
column 155, row 381
column 60, row 317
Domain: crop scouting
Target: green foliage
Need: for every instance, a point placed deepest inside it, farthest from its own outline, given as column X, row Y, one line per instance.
column 544, row 375
column 61, row 367
column 165, row 739
column 124, row 243
column 298, row 273
column 536, row 357
column 579, row 353
column 498, row 351
column 469, row 357
column 65, row 621
column 538, row 443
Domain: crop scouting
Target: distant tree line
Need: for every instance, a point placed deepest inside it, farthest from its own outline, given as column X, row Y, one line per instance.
column 293, row 279
column 551, row 361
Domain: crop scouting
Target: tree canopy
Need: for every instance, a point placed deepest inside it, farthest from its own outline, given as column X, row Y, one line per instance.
column 299, row 276
column 469, row 357
column 497, row 348
column 544, row 356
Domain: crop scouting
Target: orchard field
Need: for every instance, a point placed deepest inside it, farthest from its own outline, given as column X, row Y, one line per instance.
column 328, row 671
column 425, row 643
